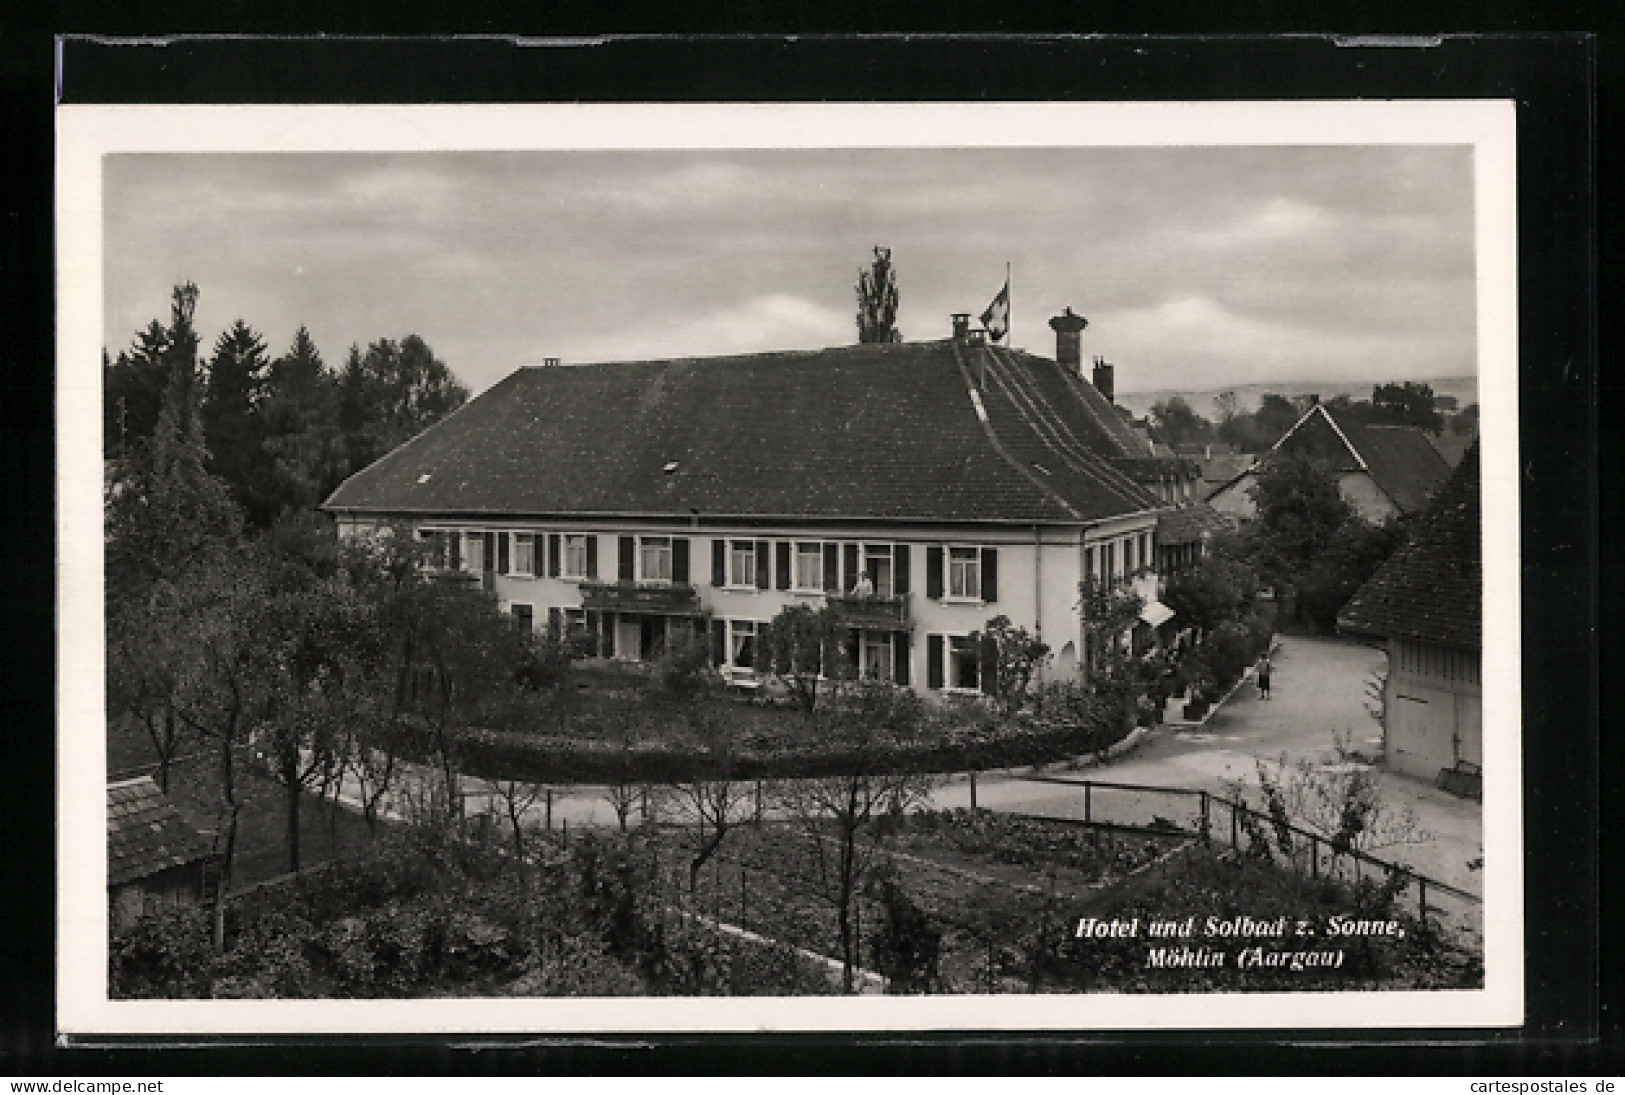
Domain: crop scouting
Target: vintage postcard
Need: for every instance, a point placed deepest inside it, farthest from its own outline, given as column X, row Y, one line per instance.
column 605, row 568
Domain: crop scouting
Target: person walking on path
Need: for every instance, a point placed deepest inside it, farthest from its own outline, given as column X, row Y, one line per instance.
column 1264, row 677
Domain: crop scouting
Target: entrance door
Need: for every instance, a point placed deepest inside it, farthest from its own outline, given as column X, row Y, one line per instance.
column 652, row 637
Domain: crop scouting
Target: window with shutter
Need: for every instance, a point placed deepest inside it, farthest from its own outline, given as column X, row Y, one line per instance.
column 763, row 561
column 781, row 565
column 628, row 560
column 524, row 554
column 933, row 573
column 719, row 563
column 900, row 579
column 809, row 566
column 990, row 574
column 522, row 615
column 933, row 661
column 491, row 550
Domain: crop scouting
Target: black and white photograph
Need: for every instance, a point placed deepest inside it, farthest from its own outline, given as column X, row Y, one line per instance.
column 821, row 567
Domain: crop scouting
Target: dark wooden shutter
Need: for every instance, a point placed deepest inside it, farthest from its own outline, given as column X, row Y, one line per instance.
column 490, row 551
column 990, row 574
column 933, row 573
column 899, row 568
column 764, row 561
column 592, row 563
column 900, row 659
column 719, row 640
column 679, row 559
column 502, row 551
column 783, row 565
column 851, row 565
column 553, row 554
column 555, row 621
column 832, row 568
column 455, row 539
column 933, row 658
column 628, row 559
column 988, row 668
column 719, row 563
column 606, row 647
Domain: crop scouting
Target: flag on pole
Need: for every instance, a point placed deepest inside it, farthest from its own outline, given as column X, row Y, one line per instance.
column 997, row 317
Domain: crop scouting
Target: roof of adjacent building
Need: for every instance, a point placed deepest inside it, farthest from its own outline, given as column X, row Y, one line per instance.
column 1188, row 524
column 940, row 431
column 146, row 833
column 1400, row 460
column 1431, row 590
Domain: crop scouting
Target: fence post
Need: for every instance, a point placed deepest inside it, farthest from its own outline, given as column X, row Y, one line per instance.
column 1207, row 822
column 1314, row 856
column 973, row 789
column 549, row 793
column 1087, row 809
column 1422, row 891
column 758, row 804
column 1235, row 835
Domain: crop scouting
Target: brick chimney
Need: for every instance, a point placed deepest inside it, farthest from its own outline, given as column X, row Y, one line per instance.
column 1106, row 379
column 1068, row 328
column 961, row 326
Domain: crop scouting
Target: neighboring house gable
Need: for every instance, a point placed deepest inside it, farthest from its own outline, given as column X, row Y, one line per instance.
column 1382, row 471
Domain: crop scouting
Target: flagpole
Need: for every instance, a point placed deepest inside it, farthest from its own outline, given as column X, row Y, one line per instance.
column 1010, row 311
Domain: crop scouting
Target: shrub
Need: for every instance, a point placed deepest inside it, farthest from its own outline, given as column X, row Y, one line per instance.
column 169, row 954
column 684, row 670
column 908, row 946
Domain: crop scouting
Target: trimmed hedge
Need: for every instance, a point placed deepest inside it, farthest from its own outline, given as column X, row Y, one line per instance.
column 532, row 758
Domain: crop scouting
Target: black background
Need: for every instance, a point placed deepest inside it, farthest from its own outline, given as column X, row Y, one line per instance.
column 1554, row 79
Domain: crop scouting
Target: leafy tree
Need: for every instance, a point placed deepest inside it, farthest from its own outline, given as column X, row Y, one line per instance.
column 1465, row 420
column 1299, row 508
column 1227, row 406
column 1406, row 404
column 1218, row 590
column 877, row 300
column 863, row 727
column 1015, row 656
column 800, row 646
column 1179, row 424
column 391, row 393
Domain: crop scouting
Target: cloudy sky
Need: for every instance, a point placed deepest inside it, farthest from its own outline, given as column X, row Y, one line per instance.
column 1197, row 268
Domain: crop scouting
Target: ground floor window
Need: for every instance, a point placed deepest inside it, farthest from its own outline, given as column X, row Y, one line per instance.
column 524, row 615
column 964, row 666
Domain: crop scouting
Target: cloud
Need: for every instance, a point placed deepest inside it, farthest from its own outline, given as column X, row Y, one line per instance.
column 764, row 323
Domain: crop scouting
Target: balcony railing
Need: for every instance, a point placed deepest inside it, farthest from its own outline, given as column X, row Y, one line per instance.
column 880, row 613
column 666, row 598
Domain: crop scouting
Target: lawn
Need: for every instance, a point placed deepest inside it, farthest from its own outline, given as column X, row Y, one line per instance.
column 326, row 832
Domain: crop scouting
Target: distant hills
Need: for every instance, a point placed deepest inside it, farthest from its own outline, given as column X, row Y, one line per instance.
column 1249, row 396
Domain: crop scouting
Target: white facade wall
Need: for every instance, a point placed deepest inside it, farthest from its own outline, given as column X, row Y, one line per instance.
column 1038, row 573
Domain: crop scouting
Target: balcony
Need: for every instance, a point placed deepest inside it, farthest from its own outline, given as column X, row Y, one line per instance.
column 665, row 599
column 875, row 613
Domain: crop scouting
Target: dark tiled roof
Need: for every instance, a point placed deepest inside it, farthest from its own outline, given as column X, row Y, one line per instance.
column 1401, row 461
column 146, row 833
column 886, row 431
column 1186, row 524
column 1432, row 588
